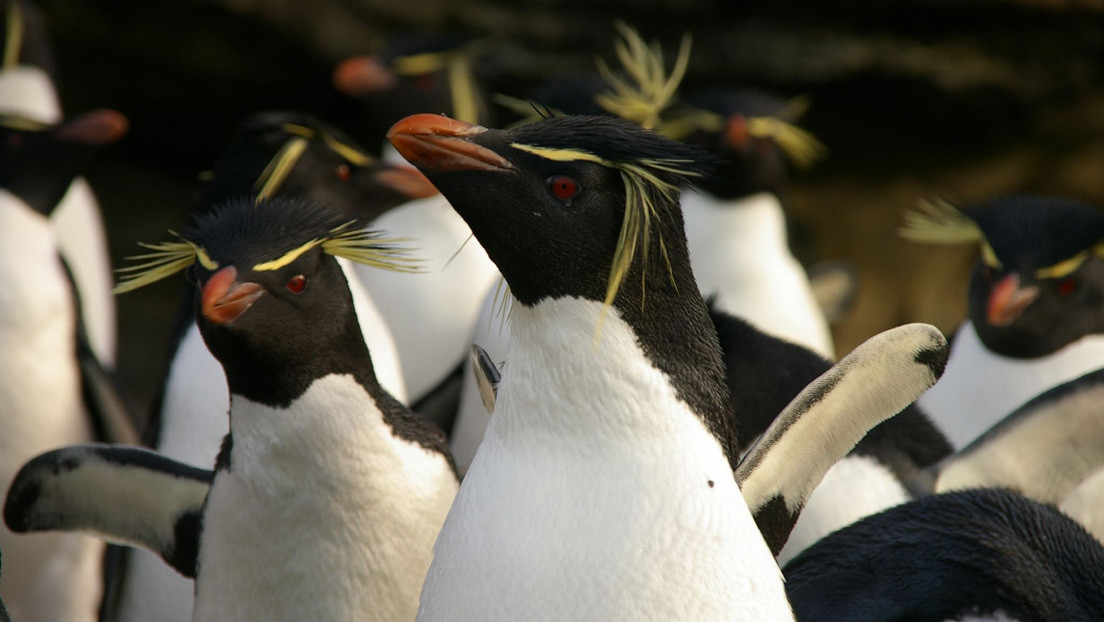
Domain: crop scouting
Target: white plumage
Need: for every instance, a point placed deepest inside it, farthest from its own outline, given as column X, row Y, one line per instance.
column 590, row 498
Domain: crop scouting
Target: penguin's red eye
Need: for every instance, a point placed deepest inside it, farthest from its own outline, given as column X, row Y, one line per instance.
column 343, row 173
column 296, row 284
column 1067, row 286
column 563, row 187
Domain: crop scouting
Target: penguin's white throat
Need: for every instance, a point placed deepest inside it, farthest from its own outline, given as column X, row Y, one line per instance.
column 576, row 368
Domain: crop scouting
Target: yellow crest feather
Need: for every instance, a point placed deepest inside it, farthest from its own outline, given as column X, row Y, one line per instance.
column 14, row 39
column 366, row 247
column 939, row 222
column 649, row 90
column 166, row 259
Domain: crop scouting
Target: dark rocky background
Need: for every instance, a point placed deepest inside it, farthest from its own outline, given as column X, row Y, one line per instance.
column 964, row 99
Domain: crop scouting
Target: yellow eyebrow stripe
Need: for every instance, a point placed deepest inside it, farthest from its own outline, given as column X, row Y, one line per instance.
column 205, row 259
column 286, row 258
column 989, row 256
column 1062, row 268
column 559, row 155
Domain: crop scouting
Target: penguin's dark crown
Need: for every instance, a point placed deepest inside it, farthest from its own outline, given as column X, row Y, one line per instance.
column 1049, row 235
column 291, row 134
column 264, row 236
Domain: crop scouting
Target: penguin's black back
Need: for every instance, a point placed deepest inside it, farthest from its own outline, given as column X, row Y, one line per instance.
column 940, row 557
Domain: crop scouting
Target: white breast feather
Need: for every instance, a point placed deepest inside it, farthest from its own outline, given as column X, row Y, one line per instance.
column 739, row 253
column 590, row 499
column 324, row 515
column 46, row 576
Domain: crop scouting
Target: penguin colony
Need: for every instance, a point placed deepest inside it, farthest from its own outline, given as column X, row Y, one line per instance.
column 545, row 358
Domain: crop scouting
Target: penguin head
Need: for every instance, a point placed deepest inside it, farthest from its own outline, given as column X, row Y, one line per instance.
column 568, row 206
column 417, row 72
column 273, row 304
column 1039, row 284
column 753, row 134
column 38, row 161
column 292, row 154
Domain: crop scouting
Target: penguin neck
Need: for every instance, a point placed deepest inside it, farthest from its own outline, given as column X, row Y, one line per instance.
column 605, row 386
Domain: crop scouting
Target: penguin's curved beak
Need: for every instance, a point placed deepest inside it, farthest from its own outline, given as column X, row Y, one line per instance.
column 434, row 142
column 223, row 299
column 1007, row 300
column 736, row 134
column 407, row 181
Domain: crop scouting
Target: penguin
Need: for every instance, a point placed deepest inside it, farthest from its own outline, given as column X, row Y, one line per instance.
column 28, row 90
column 735, row 222
column 1034, row 298
column 603, row 487
column 327, row 492
column 950, row 556
column 739, row 252
column 426, row 73
column 47, row 395
column 276, row 153
column 417, row 72
column 1062, row 430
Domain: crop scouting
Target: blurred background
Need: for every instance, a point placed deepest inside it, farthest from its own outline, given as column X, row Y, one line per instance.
column 960, row 99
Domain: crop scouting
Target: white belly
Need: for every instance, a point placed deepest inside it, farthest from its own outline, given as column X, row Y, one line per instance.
column 590, row 498
column 739, row 253
column 324, row 514
column 45, row 576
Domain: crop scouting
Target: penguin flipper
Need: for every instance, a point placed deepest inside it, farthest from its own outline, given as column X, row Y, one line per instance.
column 487, row 376
column 127, row 495
column 1061, row 429
column 826, row 420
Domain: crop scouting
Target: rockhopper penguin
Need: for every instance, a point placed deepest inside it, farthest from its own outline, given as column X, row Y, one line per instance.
column 46, row 392
column 328, row 493
column 276, row 153
column 1035, row 300
column 604, row 487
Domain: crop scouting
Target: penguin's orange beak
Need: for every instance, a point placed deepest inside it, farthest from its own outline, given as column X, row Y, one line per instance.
column 435, row 142
column 361, row 75
column 1007, row 300
column 736, row 134
column 224, row 299
column 408, row 181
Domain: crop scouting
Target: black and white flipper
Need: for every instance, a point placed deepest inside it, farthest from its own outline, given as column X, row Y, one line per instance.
column 825, row 421
column 487, row 376
column 1061, row 430
column 128, row 495
column 970, row 553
